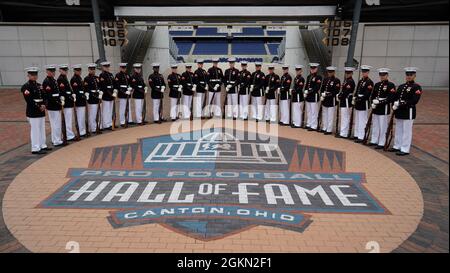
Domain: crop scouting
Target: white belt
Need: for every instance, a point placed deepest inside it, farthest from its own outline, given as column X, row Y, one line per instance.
column 55, row 95
column 68, row 93
column 189, row 84
column 139, row 86
column 202, row 82
column 175, row 86
column 359, row 95
column 381, row 99
column 109, row 86
column 94, row 91
column 232, row 82
column 81, row 92
column 123, row 86
column 38, row 100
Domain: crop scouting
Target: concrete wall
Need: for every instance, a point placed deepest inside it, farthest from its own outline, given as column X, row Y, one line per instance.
column 24, row 46
column 395, row 46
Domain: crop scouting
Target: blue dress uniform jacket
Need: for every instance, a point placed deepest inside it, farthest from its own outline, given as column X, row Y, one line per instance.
column 106, row 85
column 408, row 95
column 91, row 87
column 297, row 90
column 231, row 78
column 156, row 82
column 65, row 90
column 313, row 83
column 346, row 94
column 138, row 84
column 174, row 81
column 330, row 87
column 272, row 82
column 215, row 76
column 365, row 87
column 384, row 92
column 285, row 86
column 244, row 81
column 187, row 80
column 34, row 97
column 121, row 83
column 77, row 86
column 258, row 80
column 201, row 80
column 52, row 94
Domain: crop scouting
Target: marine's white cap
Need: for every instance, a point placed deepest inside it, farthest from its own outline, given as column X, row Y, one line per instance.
column 383, row 70
column 63, row 66
column 92, row 65
column 123, row 64
column 215, row 60
column 32, row 69
column 331, row 68
column 299, row 66
column 137, row 65
column 188, row 65
column 200, row 61
column 366, row 67
column 349, row 69
column 285, row 66
column 173, row 66
column 244, row 62
column 410, row 69
column 314, row 65
column 258, row 63
column 232, row 60
column 155, row 64
column 106, row 63
column 50, row 67
column 271, row 66
column 76, row 66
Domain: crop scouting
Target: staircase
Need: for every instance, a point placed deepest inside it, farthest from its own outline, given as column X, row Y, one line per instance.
column 138, row 42
column 316, row 50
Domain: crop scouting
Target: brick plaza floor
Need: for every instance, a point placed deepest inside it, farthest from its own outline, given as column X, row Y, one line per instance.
column 427, row 164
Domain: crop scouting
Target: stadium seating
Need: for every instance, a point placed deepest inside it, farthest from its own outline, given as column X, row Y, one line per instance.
column 211, row 47
column 184, row 47
column 251, row 31
column 244, row 47
column 276, row 33
column 181, row 33
column 273, row 48
column 209, row 31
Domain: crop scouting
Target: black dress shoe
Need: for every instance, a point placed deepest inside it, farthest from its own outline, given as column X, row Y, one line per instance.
column 38, row 152
column 401, row 153
column 371, row 144
column 393, row 150
column 378, row 147
column 358, row 140
column 327, row 133
column 174, row 119
column 310, row 129
column 46, row 149
column 109, row 128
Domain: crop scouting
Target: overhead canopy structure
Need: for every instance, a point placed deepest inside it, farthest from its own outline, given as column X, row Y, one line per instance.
column 60, row 11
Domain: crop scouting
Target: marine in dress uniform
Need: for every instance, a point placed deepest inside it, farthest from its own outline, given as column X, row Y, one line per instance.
column 230, row 81
column 311, row 94
column 139, row 91
column 215, row 76
column 53, row 104
column 284, row 93
column 68, row 98
column 298, row 101
column 35, row 99
column 93, row 96
column 272, row 88
column 330, row 89
column 257, row 85
column 381, row 98
column 244, row 81
column 122, row 84
column 80, row 104
column 109, row 94
column 361, row 102
column 344, row 99
column 189, row 87
column 175, row 91
column 405, row 100
column 158, row 86
column 201, row 82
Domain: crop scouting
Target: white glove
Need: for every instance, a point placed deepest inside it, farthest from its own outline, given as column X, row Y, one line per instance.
column 322, row 94
column 62, row 103
column 216, row 87
column 322, row 98
column 375, row 101
column 353, row 101
column 86, row 95
column 305, row 93
column 145, row 90
column 128, row 92
column 180, row 88
column 290, row 92
column 229, row 86
column 252, row 87
column 194, row 87
column 74, row 97
column 396, row 104
column 207, row 87
column 395, row 107
column 337, row 98
column 278, row 91
column 115, row 93
column 100, row 95
column 163, row 88
column 129, row 89
column 62, row 98
column 267, row 90
column 374, row 106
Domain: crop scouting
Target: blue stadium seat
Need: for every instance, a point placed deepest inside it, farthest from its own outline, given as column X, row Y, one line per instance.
column 213, row 47
column 273, row 48
column 181, row 33
column 184, row 47
column 248, row 48
column 276, row 33
column 209, row 31
column 251, row 31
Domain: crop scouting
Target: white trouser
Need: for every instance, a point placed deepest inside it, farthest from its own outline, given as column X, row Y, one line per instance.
column 243, row 106
column 327, row 118
column 214, row 104
column 284, row 111
column 270, row 110
column 312, row 113
column 174, row 109
column 122, row 107
column 257, row 108
column 198, row 105
column 187, row 103
column 92, row 117
column 37, row 134
column 360, row 124
column 379, row 128
column 156, row 104
column 344, row 121
column 138, row 103
column 232, row 105
column 297, row 113
column 68, row 114
column 403, row 134
column 81, row 117
column 107, row 107
column 55, row 125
